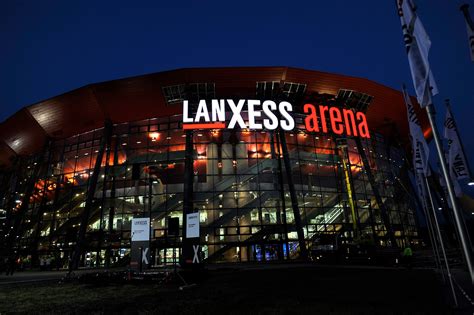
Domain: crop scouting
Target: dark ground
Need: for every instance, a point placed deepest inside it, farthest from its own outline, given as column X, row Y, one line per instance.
column 297, row 289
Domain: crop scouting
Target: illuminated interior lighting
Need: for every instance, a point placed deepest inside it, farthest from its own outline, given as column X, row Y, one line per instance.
column 154, row 136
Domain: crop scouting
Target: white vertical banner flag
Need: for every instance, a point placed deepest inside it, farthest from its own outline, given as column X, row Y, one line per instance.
column 417, row 43
column 456, row 158
column 457, row 189
column 420, row 152
column 420, row 147
column 420, row 183
column 469, row 28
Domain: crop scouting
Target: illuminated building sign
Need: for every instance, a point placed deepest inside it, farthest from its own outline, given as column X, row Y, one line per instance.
column 269, row 115
column 344, row 121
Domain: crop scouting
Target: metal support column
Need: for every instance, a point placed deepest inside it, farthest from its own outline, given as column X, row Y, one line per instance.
column 349, row 187
column 104, row 196
column 281, row 218
column 375, row 190
column 78, row 250
column 41, row 210
column 15, row 230
column 294, row 198
column 110, row 223
column 281, row 189
column 187, row 250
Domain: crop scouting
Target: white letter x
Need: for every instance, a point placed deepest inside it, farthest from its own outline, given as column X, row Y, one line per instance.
column 236, row 109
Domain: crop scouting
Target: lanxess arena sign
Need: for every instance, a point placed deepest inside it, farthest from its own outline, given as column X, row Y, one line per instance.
column 269, row 115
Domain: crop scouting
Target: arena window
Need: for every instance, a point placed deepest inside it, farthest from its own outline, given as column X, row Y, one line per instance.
column 200, row 91
column 294, row 90
column 195, row 91
column 358, row 101
column 265, row 90
column 174, row 93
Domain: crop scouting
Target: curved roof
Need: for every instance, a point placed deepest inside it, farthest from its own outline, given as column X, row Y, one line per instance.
column 141, row 97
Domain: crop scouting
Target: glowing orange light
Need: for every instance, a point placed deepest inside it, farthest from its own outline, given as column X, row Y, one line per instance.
column 154, row 136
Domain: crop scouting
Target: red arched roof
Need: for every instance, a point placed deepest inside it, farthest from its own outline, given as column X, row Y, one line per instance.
column 137, row 98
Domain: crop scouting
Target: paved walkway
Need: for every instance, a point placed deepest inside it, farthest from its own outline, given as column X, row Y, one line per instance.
column 36, row 276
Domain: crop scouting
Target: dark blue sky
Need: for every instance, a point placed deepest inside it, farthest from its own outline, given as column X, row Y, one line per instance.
column 49, row 47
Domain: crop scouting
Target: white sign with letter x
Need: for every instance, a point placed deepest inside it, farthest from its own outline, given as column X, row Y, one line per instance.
column 196, row 254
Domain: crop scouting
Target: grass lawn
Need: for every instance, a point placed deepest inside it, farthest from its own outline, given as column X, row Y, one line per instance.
column 305, row 290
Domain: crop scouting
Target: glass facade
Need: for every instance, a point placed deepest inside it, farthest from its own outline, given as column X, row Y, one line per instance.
column 240, row 188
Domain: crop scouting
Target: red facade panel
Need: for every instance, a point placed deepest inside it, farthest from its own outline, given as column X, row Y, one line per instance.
column 134, row 99
column 22, row 133
column 68, row 114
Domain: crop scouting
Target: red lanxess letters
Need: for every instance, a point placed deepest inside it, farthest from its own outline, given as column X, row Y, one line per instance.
column 341, row 121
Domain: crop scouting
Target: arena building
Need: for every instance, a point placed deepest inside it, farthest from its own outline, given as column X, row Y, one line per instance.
column 78, row 167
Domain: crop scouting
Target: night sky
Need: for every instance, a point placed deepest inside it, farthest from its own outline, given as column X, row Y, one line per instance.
column 51, row 47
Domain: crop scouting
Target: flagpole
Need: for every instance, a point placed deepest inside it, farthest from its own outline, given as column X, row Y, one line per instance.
column 448, row 107
column 417, row 146
column 429, row 224
column 438, row 231
column 425, row 86
column 457, row 215
column 432, row 236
